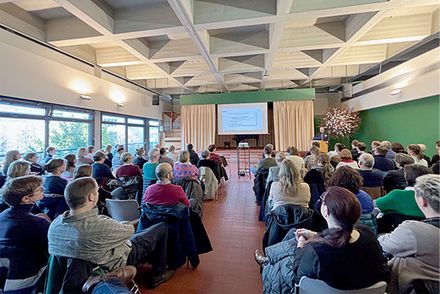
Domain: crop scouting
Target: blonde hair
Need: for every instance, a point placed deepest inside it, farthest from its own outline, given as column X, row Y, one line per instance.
column 345, row 154
column 125, row 156
column 183, row 156
column 290, row 177
column 81, row 152
column 18, row 169
column 81, row 171
column 11, row 156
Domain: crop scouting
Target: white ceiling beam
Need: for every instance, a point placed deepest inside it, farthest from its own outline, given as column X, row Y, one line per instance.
column 90, row 13
column 275, row 34
column 356, row 26
column 99, row 20
column 18, row 19
column 186, row 19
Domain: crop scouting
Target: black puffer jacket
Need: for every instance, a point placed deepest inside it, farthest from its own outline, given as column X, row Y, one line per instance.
column 282, row 219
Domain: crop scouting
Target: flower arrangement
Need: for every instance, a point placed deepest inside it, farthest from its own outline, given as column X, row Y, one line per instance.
column 340, row 121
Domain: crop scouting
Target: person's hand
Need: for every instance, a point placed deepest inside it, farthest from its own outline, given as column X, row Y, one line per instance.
column 306, row 234
column 301, row 241
column 43, row 215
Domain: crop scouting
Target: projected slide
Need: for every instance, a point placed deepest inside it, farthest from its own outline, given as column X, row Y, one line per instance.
column 250, row 118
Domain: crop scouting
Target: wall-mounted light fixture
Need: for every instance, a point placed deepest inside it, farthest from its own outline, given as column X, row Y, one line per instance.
column 120, row 104
column 85, row 97
column 395, row 92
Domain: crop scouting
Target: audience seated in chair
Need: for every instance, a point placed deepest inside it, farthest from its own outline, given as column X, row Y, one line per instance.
column 70, row 167
column 415, row 152
column 130, row 177
column 310, row 160
column 53, row 202
column 371, row 177
column 210, row 183
column 193, row 156
column 350, row 179
column 36, row 168
column 81, row 156
column 49, row 153
column 23, row 237
column 395, row 179
column 163, row 158
column 290, row 189
column 10, row 157
column 116, row 159
column 172, row 153
column 319, row 178
column 267, row 161
column 390, row 153
column 336, row 150
column 402, row 201
column 214, row 156
column 139, row 157
column 149, row 170
column 414, row 245
column 346, row 159
column 274, row 170
column 184, row 168
column 293, row 155
column 380, row 161
column 83, row 234
column 436, row 157
column 329, row 255
column 208, row 162
column 99, row 169
column 165, row 202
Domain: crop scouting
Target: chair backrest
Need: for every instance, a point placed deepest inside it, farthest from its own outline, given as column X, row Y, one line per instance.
column 312, row 286
column 123, row 210
column 374, row 192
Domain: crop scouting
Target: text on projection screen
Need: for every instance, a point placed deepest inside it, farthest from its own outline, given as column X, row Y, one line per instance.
column 240, row 119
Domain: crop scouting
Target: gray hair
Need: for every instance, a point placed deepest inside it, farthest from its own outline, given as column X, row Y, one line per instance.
column 279, row 157
column 403, row 159
column 205, row 153
column 152, row 153
column 386, row 144
column 367, row 159
column 428, row 187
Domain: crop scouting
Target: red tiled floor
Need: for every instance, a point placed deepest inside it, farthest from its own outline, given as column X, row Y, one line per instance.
column 234, row 231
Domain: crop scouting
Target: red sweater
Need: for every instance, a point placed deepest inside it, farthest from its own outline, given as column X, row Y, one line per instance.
column 165, row 194
column 128, row 171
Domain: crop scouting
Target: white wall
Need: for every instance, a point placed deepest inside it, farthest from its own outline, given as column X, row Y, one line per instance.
column 31, row 71
column 413, row 86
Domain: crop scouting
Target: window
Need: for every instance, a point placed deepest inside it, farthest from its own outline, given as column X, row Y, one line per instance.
column 25, row 135
column 134, row 121
column 154, row 136
column 18, row 109
column 154, row 123
column 135, row 138
column 71, row 114
column 68, row 136
column 112, row 134
column 113, row 119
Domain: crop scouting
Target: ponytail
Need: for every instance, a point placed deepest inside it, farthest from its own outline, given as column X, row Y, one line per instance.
column 335, row 237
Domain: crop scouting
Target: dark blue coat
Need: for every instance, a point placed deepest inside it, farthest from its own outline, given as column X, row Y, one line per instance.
column 23, row 249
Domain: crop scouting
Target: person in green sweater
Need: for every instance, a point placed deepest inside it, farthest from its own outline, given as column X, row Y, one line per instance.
column 402, row 201
column 149, row 170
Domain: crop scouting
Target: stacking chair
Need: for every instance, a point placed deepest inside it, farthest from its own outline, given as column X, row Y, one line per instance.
column 123, row 210
column 311, row 286
column 374, row 192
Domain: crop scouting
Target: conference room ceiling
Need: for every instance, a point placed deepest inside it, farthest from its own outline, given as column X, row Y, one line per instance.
column 197, row 46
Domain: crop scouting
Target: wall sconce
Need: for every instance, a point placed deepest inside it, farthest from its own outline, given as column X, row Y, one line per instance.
column 395, row 92
column 85, row 97
column 120, row 104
